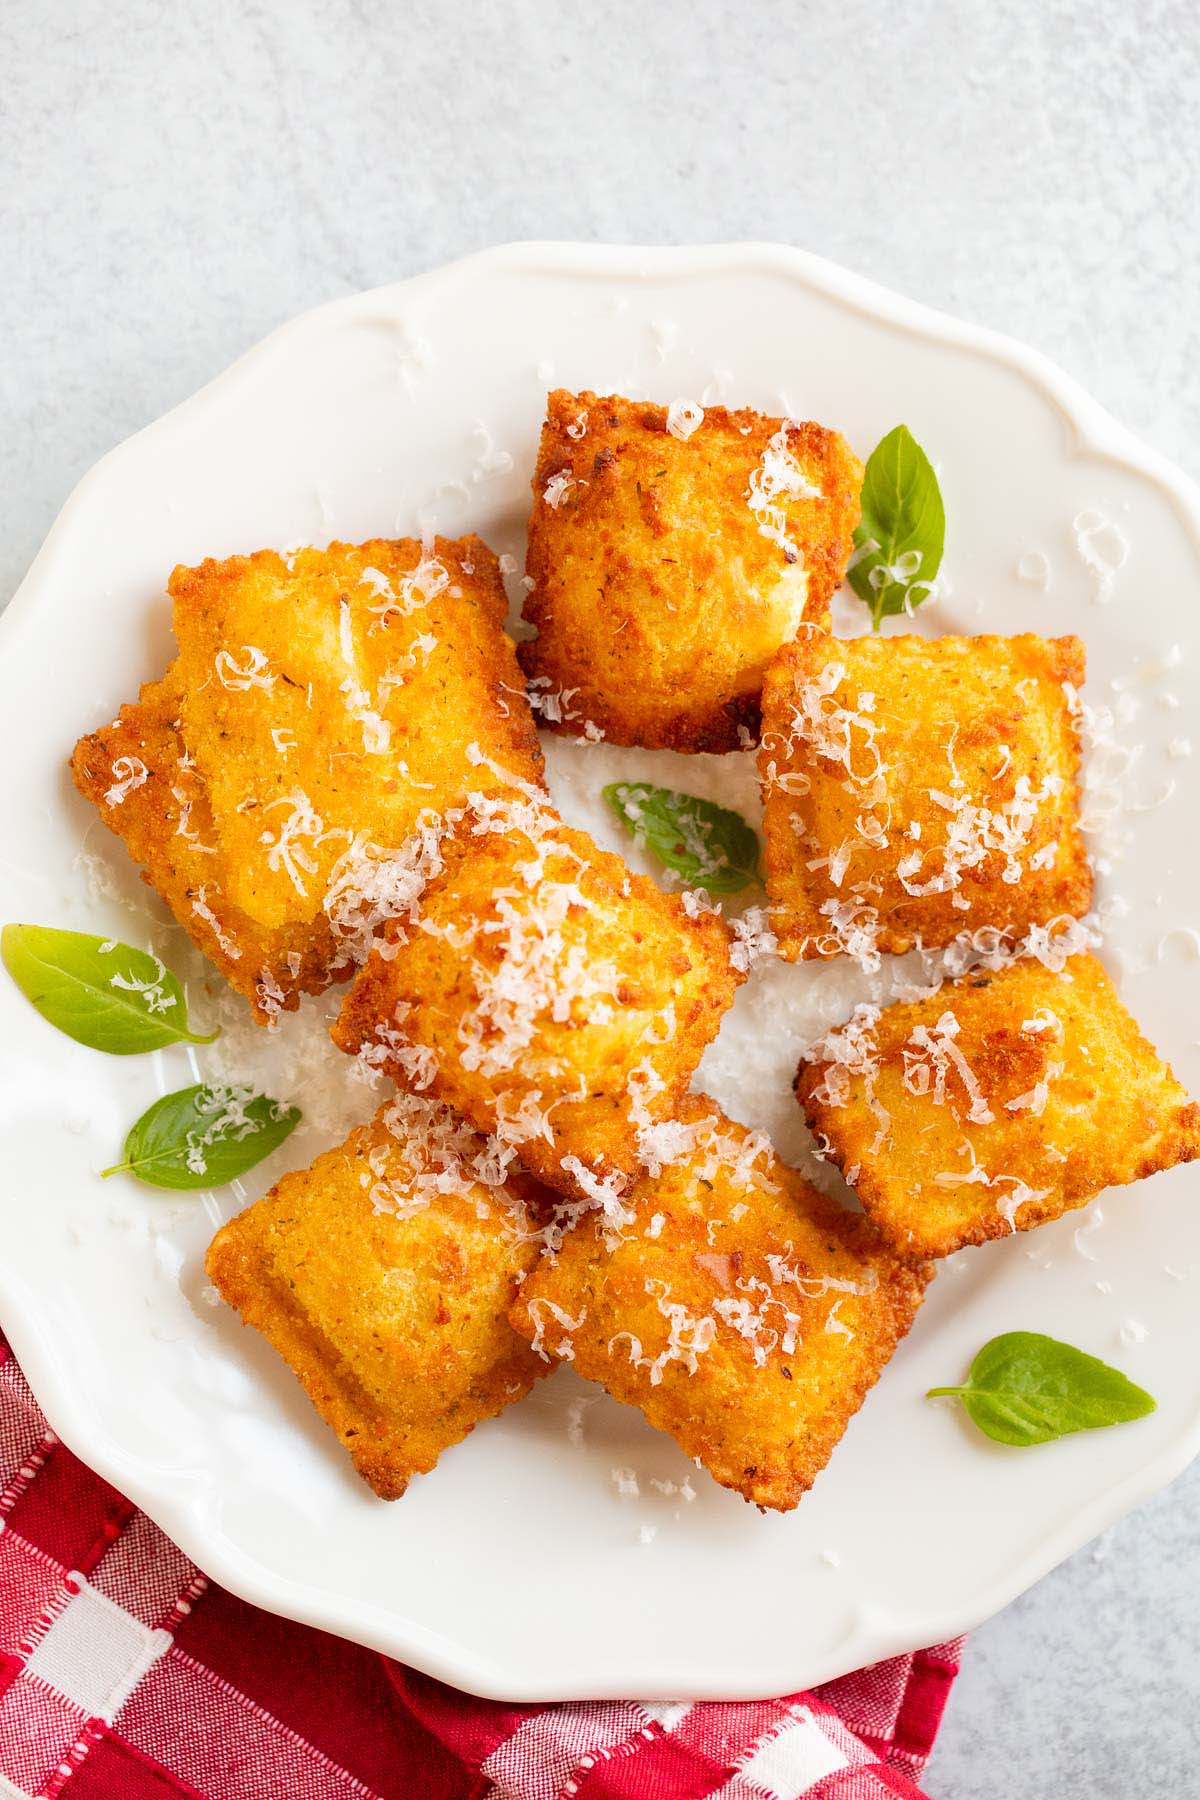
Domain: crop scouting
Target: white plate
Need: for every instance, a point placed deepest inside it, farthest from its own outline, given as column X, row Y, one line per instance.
column 516, row 1569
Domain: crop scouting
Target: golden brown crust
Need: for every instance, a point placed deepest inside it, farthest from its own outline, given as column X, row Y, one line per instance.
column 657, row 597
column 538, row 985
column 366, row 755
column 164, row 821
column 949, row 766
column 742, row 1311
column 396, row 1325
column 1069, row 1098
column 269, row 754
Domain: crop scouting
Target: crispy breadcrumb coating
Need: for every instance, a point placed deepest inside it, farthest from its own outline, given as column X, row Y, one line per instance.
column 918, row 788
column 669, row 565
column 320, row 704
column 138, row 774
column 546, row 992
column 1004, row 1099
column 744, row 1312
column 383, row 1276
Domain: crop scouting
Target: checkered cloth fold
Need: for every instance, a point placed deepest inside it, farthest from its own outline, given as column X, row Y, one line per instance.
column 126, row 1675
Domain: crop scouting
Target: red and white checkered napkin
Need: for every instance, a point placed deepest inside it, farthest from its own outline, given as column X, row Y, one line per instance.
column 126, row 1675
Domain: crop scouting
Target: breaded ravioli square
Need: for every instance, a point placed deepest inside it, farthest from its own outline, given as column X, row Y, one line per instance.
column 671, row 552
column 383, row 1276
column 743, row 1311
column 335, row 695
column 146, row 787
column 545, row 991
column 320, row 704
column 1004, row 1099
column 915, row 789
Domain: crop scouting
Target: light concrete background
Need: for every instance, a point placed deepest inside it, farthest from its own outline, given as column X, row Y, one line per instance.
column 179, row 178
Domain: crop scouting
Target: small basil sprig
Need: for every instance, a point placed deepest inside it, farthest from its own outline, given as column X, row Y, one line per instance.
column 106, row 995
column 902, row 534
column 711, row 847
column 1025, row 1388
column 202, row 1137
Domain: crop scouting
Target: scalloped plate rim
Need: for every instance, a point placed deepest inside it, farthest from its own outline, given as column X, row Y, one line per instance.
column 179, row 1502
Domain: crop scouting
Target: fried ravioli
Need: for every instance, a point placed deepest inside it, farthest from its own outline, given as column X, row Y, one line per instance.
column 915, row 789
column 319, row 706
column 138, row 774
column 744, row 1312
column 671, row 554
column 544, row 991
column 1003, row 1100
column 383, row 1276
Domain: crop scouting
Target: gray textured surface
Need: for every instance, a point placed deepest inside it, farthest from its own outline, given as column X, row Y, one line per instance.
column 178, row 179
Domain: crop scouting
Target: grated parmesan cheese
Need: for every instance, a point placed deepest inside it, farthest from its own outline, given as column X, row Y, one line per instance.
column 129, row 773
column 683, row 418
column 1034, row 568
column 284, row 848
column 489, row 460
column 543, row 1312
column 929, row 1056
column 1103, row 549
column 237, row 679
column 369, row 886
column 975, row 831
column 1020, row 1193
column 753, row 940
column 204, row 911
column 777, row 480
column 557, row 489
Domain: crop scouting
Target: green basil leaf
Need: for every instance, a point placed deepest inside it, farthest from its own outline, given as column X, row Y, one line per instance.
column 106, row 995
column 1025, row 1388
column 902, row 534
column 708, row 845
column 202, row 1137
